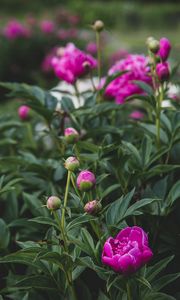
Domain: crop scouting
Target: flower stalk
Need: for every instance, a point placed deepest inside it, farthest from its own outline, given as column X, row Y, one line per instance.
column 128, row 291
column 65, row 200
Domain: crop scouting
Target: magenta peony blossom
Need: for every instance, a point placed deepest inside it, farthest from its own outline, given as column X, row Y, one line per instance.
column 123, row 86
column 23, row 112
column 86, row 180
column 165, row 48
column 47, row 26
column 128, row 252
column 137, row 115
column 162, row 70
column 71, row 135
column 14, row 29
column 70, row 65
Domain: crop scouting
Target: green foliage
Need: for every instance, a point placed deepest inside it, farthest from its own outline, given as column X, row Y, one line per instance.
column 45, row 253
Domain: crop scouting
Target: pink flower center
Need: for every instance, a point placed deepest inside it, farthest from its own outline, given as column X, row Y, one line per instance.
column 121, row 247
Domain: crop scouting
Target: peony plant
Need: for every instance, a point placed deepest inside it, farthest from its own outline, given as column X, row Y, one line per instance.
column 89, row 194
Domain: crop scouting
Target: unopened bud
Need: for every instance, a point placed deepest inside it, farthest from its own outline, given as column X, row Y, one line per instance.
column 71, row 164
column 98, row 25
column 71, row 135
column 153, row 46
column 92, row 207
column 23, row 112
column 53, row 203
column 86, row 180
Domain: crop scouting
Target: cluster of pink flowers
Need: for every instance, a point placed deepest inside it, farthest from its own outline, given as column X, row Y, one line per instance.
column 72, row 63
column 14, row 29
column 128, row 251
column 123, row 86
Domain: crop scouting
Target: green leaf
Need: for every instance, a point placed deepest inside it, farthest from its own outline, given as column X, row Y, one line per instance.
column 117, row 209
column 67, row 104
column 145, row 87
column 153, row 271
column 110, row 189
column 79, row 220
column 173, row 195
column 164, row 280
column 45, row 221
column 133, row 150
column 144, row 281
column 146, row 149
column 4, row 235
column 136, row 206
column 38, row 282
column 64, row 261
column 158, row 296
column 88, row 240
column 152, row 130
column 160, row 169
column 25, row 257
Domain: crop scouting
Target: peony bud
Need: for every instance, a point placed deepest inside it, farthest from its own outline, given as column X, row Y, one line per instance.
column 153, row 46
column 23, row 112
column 71, row 164
column 92, row 207
column 53, row 203
column 162, row 70
column 71, row 135
column 85, row 180
column 98, row 25
column 165, row 48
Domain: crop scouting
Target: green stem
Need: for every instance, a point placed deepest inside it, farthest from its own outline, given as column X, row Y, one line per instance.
column 98, row 54
column 75, row 187
column 65, row 200
column 61, row 230
column 128, row 291
column 72, row 292
column 30, row 135
column 158, row 114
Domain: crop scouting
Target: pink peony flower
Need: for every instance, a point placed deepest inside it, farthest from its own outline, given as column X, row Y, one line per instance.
column 123, row 86
column 86, row 180
column 47, row 26
column 70, row 65
column 165, row 48
column 128, row 251
column 23, row 112
column 162, row 70
column 14, row 29
column 137, row 115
